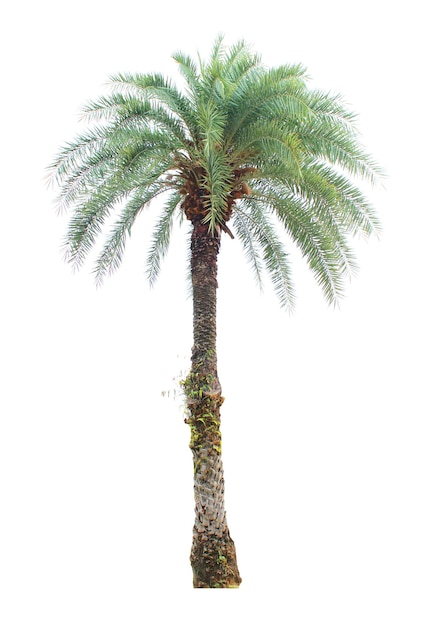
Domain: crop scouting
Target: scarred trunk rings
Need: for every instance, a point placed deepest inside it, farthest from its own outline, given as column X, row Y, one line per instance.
column 213, row 555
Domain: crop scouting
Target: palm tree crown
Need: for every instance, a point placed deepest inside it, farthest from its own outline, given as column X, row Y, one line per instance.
column 242, row 150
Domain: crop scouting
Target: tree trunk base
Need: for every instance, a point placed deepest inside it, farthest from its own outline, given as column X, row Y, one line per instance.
column 214, row 563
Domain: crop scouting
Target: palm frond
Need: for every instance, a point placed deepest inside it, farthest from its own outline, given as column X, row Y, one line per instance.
column 330, row 135
column 217, row 186
column 325, row 186
column 156, row 87
column 189, row 71
column 69, row 157
column 254, row 219
column 275, row 256
column 322, row 251
column 161, row 238
column 111, row 256
column 244, row 231
column 270, row 95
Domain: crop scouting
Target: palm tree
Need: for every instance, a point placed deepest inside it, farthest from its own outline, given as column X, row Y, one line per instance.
column 243, row 150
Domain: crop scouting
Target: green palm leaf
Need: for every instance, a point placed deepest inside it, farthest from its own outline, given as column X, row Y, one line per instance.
column 161, row 238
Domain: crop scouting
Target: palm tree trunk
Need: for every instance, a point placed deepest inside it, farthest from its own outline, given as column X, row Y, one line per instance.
column 213, row 555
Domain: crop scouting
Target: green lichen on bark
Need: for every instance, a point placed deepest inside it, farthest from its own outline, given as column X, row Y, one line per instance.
column 213, row 555
column 203, row 408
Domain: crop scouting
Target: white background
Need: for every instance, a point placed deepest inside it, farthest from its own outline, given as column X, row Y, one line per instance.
column 322, row 425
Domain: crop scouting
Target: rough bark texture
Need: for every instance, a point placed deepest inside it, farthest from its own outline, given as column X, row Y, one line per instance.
column 213, row 555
